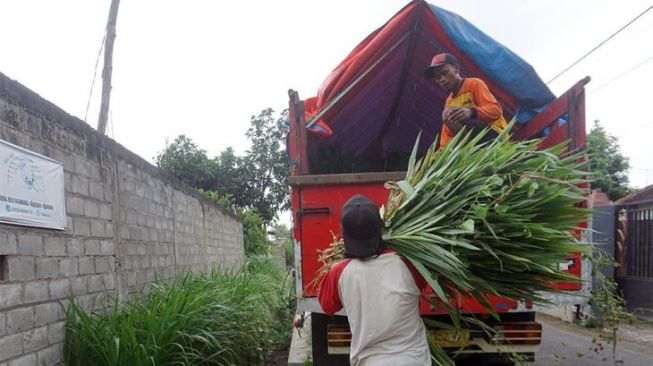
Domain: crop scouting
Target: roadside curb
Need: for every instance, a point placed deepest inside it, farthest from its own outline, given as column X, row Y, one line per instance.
column 300, row 353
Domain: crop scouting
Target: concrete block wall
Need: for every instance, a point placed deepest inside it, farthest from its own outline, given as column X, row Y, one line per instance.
column 189, row 228
column 215, row 231
column 128, row 224
column 146, row 228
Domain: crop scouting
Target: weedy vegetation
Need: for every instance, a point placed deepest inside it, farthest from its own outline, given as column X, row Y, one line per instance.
column 230, row 317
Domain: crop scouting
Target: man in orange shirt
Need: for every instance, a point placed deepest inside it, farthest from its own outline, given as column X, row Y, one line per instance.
column 470, row 103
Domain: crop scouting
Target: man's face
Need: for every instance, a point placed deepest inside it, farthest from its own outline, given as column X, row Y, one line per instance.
column 447, row 76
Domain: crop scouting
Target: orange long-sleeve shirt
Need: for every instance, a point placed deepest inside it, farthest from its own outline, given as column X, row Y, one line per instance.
column 474, row 93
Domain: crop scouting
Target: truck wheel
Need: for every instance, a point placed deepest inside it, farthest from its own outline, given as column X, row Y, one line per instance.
column 321, row 356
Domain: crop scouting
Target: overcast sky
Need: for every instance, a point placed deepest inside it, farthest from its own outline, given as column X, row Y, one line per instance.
column 202, row 68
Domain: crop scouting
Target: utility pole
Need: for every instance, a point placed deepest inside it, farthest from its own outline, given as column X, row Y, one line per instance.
column 108, row 68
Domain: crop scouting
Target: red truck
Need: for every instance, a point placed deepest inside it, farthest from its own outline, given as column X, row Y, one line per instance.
column 368, row 113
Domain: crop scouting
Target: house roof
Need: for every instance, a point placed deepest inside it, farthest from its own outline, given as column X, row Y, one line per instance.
column 639, row 196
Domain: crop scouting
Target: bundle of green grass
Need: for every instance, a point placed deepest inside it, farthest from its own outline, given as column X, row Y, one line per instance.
column 489, row 219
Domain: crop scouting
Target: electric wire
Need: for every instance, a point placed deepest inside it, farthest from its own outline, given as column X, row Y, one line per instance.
column 600, row 44
column 620, row 75
column 97, row 62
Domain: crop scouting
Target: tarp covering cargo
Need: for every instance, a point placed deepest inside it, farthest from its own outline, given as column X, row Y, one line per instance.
column 374, row 103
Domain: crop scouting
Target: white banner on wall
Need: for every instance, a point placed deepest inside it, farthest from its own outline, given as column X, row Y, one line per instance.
column 31, row 189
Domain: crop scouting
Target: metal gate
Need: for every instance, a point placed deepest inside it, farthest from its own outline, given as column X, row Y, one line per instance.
column 634, row 253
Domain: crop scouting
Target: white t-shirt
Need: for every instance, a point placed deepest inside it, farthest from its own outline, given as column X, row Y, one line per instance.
column 381, row 299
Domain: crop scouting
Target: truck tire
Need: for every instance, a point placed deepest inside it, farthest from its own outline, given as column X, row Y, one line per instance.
column 321, row 356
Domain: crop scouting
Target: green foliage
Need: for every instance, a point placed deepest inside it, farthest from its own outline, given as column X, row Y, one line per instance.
column 608, row 166
column 226, row 318
column 284, row 242
column 611, row 306
column 229, row 178
column 267, row 165
column 559, row 359
column 289, row 253
column 255, row 181
column 184, row 160
column 222, row 174
column 492, row 219
column 282, row 296
column 254, row 235
column 226, row 201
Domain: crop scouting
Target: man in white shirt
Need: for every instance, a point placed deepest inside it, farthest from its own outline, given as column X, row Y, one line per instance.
column 379, row 291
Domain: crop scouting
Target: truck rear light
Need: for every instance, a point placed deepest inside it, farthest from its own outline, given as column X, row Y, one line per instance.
column 518, row 333
column 338, row 335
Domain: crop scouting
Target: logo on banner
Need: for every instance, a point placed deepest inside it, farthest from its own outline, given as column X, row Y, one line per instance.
column 23, row 171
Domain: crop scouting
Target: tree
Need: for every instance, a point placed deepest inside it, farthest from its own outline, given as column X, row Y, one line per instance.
column 184, row 160
column 609, row 167
column 254, row 186
column 267, row 165
column 258, row 180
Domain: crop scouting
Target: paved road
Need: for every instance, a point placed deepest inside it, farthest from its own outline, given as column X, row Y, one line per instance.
column 567, row 345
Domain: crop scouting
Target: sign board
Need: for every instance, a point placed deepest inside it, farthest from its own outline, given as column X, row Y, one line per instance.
column 31, row 189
